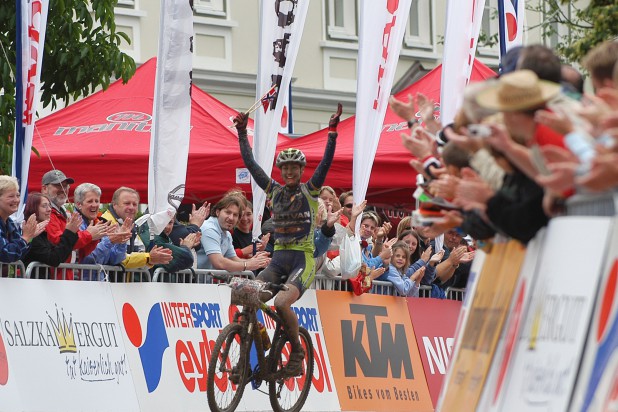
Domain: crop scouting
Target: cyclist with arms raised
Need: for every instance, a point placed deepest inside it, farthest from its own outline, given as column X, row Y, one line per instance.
column 294, row 206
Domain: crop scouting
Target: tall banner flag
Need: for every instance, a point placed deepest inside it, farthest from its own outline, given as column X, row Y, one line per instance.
column 171, row 113
column 511, row 15
column 31, row 21
column 382, row 26
column 281, row 29
column 463, row 24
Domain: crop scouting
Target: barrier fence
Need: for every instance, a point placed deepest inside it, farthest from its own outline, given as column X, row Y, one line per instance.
column 118, row 274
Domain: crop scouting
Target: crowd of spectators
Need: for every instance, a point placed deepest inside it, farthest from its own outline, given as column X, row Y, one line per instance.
column 525, row 147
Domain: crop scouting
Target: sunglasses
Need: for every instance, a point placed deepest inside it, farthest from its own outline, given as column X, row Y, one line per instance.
column 349, row 205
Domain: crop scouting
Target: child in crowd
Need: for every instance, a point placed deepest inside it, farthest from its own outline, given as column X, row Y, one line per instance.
column 399, row 270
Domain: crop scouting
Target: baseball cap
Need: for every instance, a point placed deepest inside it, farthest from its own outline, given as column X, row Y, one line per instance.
column 56, row 177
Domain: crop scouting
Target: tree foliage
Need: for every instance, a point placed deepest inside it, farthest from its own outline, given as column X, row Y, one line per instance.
column 82, row 53
column 588, row 24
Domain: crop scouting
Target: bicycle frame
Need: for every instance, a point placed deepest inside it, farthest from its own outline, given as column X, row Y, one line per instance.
column 249, row 321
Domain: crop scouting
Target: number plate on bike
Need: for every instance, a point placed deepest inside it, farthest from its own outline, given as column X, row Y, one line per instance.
column 245, row 291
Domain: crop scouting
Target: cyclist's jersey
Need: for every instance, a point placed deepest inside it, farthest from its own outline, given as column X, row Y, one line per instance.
column 294, row 211
column 293, row 214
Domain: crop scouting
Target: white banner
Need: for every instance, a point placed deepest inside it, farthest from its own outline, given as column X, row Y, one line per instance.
column 382, row 26
column 548, row 349
column 281, row 29
column 171, row 112
column 31, row 26
column 463, row 24
column 170, row 330
column 597, row 380
column 63, row 348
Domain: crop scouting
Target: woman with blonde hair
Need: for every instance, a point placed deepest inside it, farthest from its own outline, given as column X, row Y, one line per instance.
column 14, row 242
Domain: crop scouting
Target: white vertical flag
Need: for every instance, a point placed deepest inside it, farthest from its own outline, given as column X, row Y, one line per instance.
column 281, row 29
column 382, row 26
column 463, row 24
column 31, row 22
column 171, row 113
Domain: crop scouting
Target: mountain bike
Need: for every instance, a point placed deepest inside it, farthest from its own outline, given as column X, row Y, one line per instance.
column 229, row 368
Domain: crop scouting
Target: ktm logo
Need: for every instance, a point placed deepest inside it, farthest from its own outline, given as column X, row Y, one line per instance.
column 150, row 348
column 387, row 347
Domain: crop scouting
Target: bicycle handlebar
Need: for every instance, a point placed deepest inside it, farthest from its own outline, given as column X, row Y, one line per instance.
column 267, row 285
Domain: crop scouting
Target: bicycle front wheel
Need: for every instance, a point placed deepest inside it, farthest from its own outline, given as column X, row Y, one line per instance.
column 227, row 370
column 290, row 394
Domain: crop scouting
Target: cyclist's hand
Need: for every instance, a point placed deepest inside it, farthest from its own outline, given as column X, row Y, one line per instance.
column 334, row 119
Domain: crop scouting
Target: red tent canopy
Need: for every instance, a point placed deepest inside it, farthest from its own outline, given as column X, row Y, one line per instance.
column 105, row 139
column 392, row 181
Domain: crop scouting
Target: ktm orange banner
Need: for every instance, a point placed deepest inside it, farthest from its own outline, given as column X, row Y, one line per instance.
column 373, row 352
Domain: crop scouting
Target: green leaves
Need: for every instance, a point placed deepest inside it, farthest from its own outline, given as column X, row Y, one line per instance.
column 81, row 54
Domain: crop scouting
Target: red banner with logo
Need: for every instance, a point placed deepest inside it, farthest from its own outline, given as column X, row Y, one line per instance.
column 434, row 322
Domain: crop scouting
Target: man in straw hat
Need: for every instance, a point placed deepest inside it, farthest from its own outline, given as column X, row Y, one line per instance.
column 518, row 95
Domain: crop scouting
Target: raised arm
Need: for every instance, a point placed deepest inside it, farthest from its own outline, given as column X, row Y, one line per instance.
column 258, row 174
column 317, row 180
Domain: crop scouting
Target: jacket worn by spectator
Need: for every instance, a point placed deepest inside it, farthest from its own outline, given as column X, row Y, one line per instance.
column 12, row 246
column 44, row 251
column 132, row 259
column 182, row 258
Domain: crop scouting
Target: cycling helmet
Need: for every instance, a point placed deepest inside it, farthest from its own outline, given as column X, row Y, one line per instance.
column 291, row 155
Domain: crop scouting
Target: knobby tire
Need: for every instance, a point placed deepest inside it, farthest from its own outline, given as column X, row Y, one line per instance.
column 233, row 354
column 282, row 398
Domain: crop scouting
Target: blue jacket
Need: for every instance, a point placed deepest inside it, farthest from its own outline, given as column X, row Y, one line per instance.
column 404, row 285
column 106, row 253
column 12, row 245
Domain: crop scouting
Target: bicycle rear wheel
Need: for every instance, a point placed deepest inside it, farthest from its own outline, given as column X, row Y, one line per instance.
column 290, row 394
column 227, row 370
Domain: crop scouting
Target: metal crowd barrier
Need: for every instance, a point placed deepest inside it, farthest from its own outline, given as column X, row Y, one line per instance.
column 195, row 275
column 455, row 294
column 74, row 271
column 12, row 270
column 323, row 282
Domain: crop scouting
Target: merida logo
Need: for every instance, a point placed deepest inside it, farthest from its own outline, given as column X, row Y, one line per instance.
column 127, row 121
column 388, row 347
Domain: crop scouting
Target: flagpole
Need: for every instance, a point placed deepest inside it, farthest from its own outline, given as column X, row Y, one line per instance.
column 290, row 118
column 501, row 31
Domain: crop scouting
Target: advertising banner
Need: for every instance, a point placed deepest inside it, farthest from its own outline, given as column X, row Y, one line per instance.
column 62, row 342
column 171, row 113
column 479, row 336
column 514, row 322
column 434, row 322
column 381, row 31
column 597, row 382
column 31, row 25
column 548, row 351
column 171, row 331
column 374, row 355
column 281, row 31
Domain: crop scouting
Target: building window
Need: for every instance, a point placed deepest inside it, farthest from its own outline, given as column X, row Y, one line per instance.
column 419, row 32
column 210, row 7
column 130, row 4
column 343, row 19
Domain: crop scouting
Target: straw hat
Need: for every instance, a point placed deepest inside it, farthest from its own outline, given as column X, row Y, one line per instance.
column 519, row 90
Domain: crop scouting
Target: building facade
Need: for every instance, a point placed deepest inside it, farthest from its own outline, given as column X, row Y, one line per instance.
column 226, row 45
